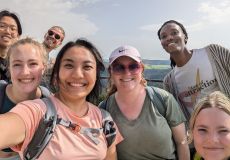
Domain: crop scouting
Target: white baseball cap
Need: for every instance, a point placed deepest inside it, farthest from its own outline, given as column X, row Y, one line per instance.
column 125, row 51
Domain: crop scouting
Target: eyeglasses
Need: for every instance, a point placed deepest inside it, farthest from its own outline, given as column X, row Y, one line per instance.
column 133, row 68
column 4, row 26
column 56, row 36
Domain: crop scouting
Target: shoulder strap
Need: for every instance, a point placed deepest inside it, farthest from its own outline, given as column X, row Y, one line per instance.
column 108, row 127
column 43, row 133
column 45, row 91
column 157, row 99
column 3, row 85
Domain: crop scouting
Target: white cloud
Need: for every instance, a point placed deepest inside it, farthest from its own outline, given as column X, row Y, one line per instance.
column 218, row 12
column 211, row 13
column 38, row 16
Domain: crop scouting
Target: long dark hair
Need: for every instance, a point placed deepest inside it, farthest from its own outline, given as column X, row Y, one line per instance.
column 94, row 94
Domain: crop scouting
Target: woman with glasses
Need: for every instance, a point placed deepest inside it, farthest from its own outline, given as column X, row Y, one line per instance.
column 147, row 133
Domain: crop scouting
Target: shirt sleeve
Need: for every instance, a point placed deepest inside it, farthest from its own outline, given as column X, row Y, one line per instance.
column 174, row 114
column 31, row 113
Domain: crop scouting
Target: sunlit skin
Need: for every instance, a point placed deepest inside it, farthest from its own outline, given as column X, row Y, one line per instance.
column 77, row 75
column 8, row 32
column 212, row 134
column 127, row 81
column 173, row 41
column 26, row 68
column 50, row 41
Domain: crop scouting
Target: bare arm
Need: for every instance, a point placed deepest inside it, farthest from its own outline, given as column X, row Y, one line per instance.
column 12, row 130
column 179, row 134
column 111, row 153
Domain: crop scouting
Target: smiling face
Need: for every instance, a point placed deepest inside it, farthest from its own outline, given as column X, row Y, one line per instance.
column 77, row 75
column 211, row 134
column 8, row 31
column 172, row 38
column 26, row 67
column 130, row 73
column 53, row 38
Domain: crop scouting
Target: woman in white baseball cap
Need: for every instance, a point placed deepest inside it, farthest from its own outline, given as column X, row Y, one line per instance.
column 148, row 133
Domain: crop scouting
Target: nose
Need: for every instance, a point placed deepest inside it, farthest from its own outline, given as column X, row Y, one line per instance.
column 25, row 70
column 127, row 71
column 78, row 73
column 213, row 138
column 169, row 38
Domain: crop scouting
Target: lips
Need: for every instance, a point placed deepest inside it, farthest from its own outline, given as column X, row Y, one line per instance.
column 73, row 84
column 6, row 37
column 27, row 80
column 127, row 79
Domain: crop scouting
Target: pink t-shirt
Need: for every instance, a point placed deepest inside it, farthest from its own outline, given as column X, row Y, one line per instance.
column 65, row 144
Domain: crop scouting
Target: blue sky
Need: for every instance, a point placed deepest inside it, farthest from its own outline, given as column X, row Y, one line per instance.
column 111, row 23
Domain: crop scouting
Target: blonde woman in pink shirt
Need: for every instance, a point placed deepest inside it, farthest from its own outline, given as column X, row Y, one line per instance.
column 76, row 77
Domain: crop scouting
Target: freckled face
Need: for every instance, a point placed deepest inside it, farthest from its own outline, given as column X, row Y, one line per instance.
column 212, row 134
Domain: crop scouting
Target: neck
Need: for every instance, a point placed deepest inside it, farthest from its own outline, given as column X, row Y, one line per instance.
column 182, row 58
column 48, row 50
column 136, row 94
column 3, row 52
column 79, row 106
column 16, row 96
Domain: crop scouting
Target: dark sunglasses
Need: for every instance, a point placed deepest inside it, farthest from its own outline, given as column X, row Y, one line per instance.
column 133, row 68
column 56, row 36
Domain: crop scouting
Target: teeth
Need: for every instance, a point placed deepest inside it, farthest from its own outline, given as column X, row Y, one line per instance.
column 127, row 80
column 26, row 80
column 171, row 44
column 6, row 38
column 77, row 84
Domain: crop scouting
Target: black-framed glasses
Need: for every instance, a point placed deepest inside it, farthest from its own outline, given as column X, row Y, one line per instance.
column 56, row 36
column 133, row 68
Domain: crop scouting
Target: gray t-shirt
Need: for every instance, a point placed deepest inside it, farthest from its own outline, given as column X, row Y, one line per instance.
column 148, row 137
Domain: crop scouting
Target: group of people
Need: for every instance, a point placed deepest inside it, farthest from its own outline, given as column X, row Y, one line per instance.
column 150, row 123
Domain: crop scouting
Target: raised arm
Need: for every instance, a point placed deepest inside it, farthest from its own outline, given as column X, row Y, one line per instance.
column 12, row 130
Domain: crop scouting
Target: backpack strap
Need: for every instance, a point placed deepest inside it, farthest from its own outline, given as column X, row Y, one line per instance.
column 108, row 127
column 43, row 133
column 157, row 99
column 45, row 92
column 3, row 85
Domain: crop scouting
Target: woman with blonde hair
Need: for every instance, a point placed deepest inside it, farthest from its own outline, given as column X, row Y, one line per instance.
column 148, row 133
column 210, row 127
column 26, row 65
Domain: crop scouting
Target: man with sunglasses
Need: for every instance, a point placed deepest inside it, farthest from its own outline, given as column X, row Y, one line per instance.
column 53, row 38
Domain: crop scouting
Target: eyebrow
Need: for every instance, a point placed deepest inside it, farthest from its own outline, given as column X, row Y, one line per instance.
column 70, row 60
column 11, row 25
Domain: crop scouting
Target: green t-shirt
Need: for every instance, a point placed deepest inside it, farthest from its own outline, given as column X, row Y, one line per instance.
column 148, row 137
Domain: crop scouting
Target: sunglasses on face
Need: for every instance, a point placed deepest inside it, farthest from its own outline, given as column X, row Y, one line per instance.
column 133, row 68
column 56, row 36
